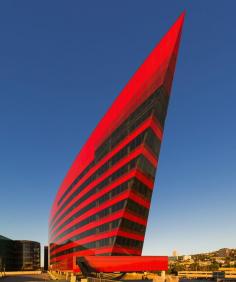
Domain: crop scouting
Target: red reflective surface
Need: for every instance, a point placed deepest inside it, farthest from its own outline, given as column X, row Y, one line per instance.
column 127, row 264
column 91, row 233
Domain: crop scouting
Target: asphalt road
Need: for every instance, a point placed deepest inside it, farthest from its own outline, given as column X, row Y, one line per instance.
column 27, row 278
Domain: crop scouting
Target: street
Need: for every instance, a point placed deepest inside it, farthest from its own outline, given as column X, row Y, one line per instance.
column 27, row 278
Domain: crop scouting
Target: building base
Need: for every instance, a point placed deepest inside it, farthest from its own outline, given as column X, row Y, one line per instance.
column 108, row 264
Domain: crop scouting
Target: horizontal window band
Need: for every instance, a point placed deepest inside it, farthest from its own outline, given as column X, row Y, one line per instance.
column 81, row 197
column 132, row 183
column 104, row 242
column 132, row 121
column 114, row 232
column 92, row 252
column 124, row 162
column 149, row 124
column 93, row 213
column 121, row 180
column 149, row 108
column 118, row 165
column 128, row 126
column 93, row 199
column 127, row 177
column 124, row 196
column 120, row 224
column 122, row 144
column 112, row 217
column 92, row 224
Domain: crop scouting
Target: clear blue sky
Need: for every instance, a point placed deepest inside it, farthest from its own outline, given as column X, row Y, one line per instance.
column 62, row 63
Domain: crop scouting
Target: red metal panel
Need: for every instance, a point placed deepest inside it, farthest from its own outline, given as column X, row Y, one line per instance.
column 127, row 263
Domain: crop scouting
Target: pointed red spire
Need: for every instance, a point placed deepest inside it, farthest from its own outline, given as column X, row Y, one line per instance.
column 156, row 70
column 148, row 78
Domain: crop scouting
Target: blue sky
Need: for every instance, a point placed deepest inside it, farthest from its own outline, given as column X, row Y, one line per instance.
column 62, row 63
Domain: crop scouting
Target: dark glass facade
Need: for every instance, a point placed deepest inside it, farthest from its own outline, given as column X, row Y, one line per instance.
column 19, row 255
column 45, row 258
column 7, row 254
column 103, row 203
column 28, row 253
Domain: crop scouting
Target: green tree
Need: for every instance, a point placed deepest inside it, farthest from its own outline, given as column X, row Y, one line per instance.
column 214, row 266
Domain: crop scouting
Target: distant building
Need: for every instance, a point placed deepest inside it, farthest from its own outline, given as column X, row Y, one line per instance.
column 220, row 260
column 218, row 275
column 45, row 258
column 19, row 255
column 28, row 253
column 7, row 254
column 174, row 253
column 187, row 257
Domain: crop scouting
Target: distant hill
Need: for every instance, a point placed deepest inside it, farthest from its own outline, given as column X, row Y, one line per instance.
column 224, row 252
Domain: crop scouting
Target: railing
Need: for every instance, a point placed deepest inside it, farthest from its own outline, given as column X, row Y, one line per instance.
column 229, row 273
column 93, row 279
column 195, row 274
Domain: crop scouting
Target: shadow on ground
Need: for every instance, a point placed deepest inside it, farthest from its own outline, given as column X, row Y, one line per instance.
column 27, row 278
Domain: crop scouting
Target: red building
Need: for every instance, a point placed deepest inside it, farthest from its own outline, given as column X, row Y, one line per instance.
column 102, row 206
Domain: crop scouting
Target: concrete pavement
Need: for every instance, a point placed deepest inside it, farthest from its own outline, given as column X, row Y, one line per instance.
column 28, row 278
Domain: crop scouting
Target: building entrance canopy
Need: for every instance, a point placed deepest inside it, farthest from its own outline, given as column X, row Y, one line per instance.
column 123, row 263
